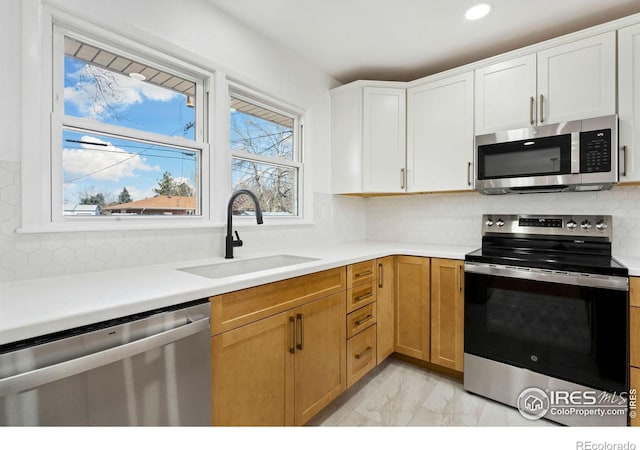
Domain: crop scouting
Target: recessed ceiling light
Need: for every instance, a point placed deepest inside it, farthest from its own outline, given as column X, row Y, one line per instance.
column 478, row 11
column 137, row 76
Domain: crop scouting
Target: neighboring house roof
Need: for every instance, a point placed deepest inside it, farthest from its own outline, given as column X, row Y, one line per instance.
column 160, row 202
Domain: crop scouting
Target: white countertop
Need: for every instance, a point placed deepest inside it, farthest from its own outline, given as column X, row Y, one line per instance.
column 32, row 308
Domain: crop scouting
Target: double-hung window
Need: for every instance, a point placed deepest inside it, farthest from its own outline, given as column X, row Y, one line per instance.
column 265, row 156
column 128, row 133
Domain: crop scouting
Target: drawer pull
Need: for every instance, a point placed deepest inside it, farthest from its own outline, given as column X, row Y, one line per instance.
column 363, row 320
column 292, row 349
column 364, row 353
column 363, row 274
column 301, row 344
column 363, row 297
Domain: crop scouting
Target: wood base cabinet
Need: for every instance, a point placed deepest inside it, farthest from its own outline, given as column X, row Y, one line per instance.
column 447, row 313
column 412, row 281
column 281, row 370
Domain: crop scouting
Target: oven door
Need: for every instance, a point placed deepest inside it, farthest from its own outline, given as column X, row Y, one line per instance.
column 566, row 325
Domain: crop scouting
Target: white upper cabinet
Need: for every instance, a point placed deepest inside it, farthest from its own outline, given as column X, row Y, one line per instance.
column 368, row 139
column 573, row 81
column 505, row 95
column 629, row 102
column 577, row 80
column 440, row 134
column 384, row 139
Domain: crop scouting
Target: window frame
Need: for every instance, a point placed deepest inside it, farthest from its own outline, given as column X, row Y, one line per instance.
column 42, row 149
column 38, row 119
column 241, row 92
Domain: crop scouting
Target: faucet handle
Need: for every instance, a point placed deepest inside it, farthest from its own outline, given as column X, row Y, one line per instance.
column 237, row 242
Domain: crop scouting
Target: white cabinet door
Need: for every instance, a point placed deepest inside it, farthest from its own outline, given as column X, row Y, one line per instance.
column 629, row 102
column 505, row 95
column 577, row 80
column 440, row 134
column 384, row 139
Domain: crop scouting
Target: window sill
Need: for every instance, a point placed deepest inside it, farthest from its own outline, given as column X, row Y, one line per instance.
column 103, row 224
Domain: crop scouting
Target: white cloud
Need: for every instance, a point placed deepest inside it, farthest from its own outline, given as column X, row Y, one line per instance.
column 112, row 93
column 101, row 160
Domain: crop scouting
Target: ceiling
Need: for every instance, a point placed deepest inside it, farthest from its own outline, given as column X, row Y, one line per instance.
column 406, row 39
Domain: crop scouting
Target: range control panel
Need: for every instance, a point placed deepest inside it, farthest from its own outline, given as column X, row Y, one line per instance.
column 549, row 225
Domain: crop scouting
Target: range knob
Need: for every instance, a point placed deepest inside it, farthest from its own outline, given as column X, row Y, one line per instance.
column 572, row 224
column 489, row 223
column 585, row 225
column 500, row 223
column 601, row 225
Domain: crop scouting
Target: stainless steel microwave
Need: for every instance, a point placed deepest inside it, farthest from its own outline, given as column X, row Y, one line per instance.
column 580, row 155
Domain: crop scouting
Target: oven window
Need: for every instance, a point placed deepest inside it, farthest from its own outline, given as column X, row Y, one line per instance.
column 574, row 333
column 556, row 321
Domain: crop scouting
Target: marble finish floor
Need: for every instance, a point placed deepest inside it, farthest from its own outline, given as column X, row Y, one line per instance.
column 398, row 393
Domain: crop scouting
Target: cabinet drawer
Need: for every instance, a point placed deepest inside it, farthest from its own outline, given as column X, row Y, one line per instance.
column 361, row 319
column 361, row 273
column 234, row 309
column 360, row 295
column 361, row 355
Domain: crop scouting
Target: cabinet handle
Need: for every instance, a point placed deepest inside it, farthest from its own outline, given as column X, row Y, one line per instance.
column 402, row 177
column 380, row 275
column 364, row 320
column 363, row 274
column 469, row 173
column 531, row 110
column 363, row 297
column 301, row 344
column 624, row 160
column 364, row 353
column 541, row 108
column 292, row 349
column 460, row 275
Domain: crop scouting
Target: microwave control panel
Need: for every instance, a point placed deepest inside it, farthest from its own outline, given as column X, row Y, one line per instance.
column 595, row 151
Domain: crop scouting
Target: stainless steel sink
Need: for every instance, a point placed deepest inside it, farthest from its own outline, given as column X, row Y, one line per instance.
column 244, row 266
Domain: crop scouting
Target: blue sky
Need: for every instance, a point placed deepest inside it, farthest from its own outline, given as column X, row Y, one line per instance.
column 96, row 163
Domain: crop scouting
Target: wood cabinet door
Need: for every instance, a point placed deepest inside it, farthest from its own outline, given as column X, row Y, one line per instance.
column 384, row 139
column 629, row 102
column 577, row 80
column 385, row 313
column 320, row 356
column 447, row 313
column 505, row 95
column 412, row 306
column 440, row 135
column 252, row 374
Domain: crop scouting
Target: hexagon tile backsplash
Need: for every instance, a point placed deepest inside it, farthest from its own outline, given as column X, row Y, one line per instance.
column 27, row 256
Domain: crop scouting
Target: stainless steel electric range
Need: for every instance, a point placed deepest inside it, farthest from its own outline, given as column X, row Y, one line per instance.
column 546, row 318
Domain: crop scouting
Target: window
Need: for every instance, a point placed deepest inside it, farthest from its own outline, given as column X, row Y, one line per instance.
column 127, row 133
column 265, row 157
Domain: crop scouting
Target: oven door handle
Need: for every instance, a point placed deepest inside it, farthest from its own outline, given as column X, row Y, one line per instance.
column 549, row 276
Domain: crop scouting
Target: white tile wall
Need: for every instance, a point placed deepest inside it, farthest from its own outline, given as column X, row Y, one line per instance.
column 456, row 218
column 27, row 256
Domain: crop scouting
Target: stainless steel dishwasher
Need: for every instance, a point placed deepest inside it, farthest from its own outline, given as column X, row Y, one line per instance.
column 145, row 369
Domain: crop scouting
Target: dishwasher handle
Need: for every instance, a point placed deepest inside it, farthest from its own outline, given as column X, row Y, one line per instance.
column 25, row 381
